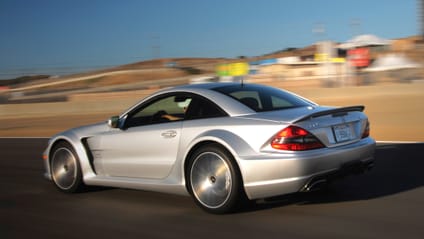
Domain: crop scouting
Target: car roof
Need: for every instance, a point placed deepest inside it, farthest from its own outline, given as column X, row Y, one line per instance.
column 228, row 104
column 207, row 86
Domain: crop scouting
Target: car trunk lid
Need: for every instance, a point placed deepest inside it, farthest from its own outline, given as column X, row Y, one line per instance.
column 336, row 126
column 332, row 126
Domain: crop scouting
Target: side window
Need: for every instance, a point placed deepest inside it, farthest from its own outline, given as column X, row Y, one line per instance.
column 202, row 108
column 263, row 98
column 162, row 110
column 249, row 98
column 280, row 103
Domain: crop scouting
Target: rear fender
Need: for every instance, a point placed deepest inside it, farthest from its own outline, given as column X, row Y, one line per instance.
column 233, row 143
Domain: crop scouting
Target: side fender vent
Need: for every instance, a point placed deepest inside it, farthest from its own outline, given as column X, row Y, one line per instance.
column 89, row 154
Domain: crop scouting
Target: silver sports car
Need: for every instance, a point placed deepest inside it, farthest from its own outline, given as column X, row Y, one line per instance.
column 221, row 143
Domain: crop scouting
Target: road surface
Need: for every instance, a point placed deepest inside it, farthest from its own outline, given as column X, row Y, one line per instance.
column 388, row 202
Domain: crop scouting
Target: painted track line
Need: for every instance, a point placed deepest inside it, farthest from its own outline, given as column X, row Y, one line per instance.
column 378, row 141
column 24, row 137
column 399, row 142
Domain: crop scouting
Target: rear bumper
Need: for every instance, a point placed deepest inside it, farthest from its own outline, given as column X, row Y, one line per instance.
column 269, row 175
column 351, row 168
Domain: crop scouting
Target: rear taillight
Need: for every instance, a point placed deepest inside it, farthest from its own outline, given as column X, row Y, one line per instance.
column 366, row 132
column 295, row 139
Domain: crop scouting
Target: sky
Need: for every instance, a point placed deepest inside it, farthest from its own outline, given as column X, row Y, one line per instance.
column 66, row 36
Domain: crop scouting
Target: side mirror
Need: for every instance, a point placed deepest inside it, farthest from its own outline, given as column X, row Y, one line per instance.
column 113, row 122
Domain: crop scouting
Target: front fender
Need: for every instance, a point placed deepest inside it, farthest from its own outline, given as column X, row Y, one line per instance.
column 75, row 141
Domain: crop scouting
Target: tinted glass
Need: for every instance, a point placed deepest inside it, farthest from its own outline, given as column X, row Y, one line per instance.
column 201, row 108
column 162, row 110
column 173, row 107
column 262, row 98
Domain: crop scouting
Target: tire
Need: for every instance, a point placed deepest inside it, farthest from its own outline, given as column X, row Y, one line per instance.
column 214, row 180
column 65, row 168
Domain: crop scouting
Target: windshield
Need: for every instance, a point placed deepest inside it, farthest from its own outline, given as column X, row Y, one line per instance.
column 263, row 98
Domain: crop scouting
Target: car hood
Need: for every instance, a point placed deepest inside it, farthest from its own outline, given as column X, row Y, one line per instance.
column 93, row 128
column 86, row 131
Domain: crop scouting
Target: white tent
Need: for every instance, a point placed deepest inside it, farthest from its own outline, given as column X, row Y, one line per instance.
column 392, row 62
column 364, row 40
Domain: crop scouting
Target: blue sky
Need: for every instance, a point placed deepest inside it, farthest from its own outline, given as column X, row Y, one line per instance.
column 58, row 36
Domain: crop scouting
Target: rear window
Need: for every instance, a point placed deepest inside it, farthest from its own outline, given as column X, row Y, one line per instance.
column 262, row 98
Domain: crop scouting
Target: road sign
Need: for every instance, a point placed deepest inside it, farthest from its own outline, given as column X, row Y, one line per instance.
column 233, row 69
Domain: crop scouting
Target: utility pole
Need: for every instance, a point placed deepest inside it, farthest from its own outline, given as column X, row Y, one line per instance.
column 155, row 46
column 421, row 17
column 355, row 25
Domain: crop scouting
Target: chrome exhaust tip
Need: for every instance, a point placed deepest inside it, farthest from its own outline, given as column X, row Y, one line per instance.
column 314, row 185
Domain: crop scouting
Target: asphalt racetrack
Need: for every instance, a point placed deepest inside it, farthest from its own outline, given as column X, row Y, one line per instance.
column 387, row 202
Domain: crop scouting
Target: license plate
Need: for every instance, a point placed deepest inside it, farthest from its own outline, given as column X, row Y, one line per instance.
column 342, row 132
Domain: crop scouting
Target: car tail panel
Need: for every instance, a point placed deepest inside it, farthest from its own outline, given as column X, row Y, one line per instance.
column 338, row 129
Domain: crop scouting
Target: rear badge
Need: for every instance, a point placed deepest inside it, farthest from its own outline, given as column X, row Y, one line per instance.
column 313, row 125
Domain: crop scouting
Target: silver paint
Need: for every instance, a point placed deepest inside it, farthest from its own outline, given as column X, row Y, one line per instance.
column 154, row 157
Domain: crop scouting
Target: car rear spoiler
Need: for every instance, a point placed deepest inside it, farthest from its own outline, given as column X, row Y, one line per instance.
column 334, row 112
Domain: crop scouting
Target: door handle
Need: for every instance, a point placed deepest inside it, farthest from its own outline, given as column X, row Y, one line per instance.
column 169, row 134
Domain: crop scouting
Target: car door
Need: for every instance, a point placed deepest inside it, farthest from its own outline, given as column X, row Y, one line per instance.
column 146, row 145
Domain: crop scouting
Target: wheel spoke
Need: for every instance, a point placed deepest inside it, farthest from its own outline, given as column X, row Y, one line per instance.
column 64, row 168
column 211, row 180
